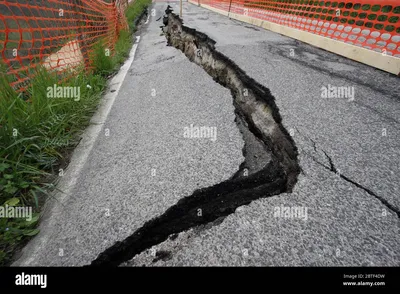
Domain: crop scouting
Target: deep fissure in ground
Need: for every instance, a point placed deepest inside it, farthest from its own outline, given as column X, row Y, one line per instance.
column 256, row 110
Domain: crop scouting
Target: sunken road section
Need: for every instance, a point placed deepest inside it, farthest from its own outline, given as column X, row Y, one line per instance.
column 255, row 106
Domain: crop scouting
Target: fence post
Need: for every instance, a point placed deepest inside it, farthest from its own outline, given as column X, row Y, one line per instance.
column 229, row 11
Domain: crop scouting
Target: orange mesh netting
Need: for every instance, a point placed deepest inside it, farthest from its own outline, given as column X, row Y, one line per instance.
column 59, row 34
column 372, row 24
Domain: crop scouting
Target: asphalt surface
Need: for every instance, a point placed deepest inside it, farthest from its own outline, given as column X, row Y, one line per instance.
column 117, row 189
column 345, row 225
column 145, row 164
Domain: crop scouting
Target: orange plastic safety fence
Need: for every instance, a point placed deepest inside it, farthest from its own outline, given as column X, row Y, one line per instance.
column 58, row 34
column 371, row 24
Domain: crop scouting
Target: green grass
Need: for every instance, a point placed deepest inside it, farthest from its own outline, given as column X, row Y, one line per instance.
column 122, row 47
column 101, row 59
column 106, row 62
column 133, row 11
column 38, row 133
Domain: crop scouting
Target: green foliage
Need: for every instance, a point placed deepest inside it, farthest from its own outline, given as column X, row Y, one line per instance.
column 102, row 60
column 13, row 231
column 122, row 47
column 106, row 61
column 38, row 131
column 134, row 10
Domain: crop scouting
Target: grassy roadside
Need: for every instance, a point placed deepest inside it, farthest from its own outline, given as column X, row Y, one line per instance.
column 39, row 130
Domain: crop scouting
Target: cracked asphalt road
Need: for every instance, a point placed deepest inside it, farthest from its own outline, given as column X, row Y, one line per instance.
column 344, row 224
column 145, row 164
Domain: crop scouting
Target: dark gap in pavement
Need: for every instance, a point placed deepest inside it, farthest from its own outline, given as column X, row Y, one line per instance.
column 258, row 119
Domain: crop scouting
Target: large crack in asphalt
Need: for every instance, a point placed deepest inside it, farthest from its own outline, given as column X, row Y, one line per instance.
column 259, row 121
